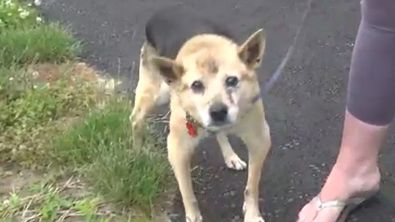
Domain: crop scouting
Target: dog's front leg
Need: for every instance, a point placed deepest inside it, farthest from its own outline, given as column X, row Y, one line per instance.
column 258, row 143
column 232, row 160
column 180, row 151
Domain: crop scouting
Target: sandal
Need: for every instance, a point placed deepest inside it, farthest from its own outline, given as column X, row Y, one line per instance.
column 347, row 205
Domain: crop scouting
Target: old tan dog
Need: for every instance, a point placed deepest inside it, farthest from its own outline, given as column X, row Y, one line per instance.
column 212, row 87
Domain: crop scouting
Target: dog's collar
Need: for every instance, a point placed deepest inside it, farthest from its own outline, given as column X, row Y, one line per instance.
column 192, row 124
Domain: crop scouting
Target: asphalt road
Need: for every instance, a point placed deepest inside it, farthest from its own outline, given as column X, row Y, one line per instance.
column 305, row 108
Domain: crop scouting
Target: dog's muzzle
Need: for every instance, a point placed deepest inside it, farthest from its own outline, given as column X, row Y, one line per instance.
column 218, row 113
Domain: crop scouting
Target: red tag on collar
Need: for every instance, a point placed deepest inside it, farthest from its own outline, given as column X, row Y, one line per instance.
column 191, row 129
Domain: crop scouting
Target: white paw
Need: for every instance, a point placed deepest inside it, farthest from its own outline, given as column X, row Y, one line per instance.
column 254, row 219
column 235, row 163
column 194, row 218
column 251, row 214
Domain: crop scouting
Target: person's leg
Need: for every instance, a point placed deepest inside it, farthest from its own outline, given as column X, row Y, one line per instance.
column 370, row 109
column 354, row 172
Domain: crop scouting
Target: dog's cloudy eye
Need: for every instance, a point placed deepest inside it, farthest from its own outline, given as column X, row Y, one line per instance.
column 197, row 86
column 231, row 81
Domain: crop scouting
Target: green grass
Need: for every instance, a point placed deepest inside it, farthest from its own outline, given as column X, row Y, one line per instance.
column 26, row 39
column 31, row 110
column 17, row 14
column 103, row 145
column 77, row 128
column 43, row 43
column 59, row 201
column 98, row 147
column 53, row 119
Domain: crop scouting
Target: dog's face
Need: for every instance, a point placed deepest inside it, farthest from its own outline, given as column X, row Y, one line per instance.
column 214, row 78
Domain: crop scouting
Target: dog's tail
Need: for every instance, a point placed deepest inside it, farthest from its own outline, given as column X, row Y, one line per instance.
column 147, row 52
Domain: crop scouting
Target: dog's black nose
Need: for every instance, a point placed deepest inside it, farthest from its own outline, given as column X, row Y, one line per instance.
column 218, row 112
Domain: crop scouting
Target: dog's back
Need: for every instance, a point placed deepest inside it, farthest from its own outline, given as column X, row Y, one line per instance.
column 169, row 28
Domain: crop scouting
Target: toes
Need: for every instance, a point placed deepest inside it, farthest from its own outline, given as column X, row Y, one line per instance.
column 238, row 165
column 193, row 218
column 251, row 214
column 310, row 213
column 259, row 219
column 256, row 219
column 307, row 213
column 235, row 163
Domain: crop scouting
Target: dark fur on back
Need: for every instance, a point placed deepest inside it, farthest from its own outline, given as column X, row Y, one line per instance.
column 169, row 28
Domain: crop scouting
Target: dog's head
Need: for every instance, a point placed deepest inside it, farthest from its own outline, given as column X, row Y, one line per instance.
column 214, row 77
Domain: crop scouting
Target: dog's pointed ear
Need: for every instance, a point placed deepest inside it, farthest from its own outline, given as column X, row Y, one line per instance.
column 169, row 69
column 251, row 51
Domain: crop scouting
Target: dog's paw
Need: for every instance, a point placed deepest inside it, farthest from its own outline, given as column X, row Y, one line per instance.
column 235, row 163
column 194, row 218
column 251, row 214
column 255, row 219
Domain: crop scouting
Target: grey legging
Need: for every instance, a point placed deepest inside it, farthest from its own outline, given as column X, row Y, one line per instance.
column 371, row 89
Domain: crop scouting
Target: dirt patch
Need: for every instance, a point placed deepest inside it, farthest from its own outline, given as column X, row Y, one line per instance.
column 72, row 72
column 51, row 73
column 67, row 198
column 14, row 178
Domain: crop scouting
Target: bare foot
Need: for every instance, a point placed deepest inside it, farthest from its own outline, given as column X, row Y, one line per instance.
column 342, row 184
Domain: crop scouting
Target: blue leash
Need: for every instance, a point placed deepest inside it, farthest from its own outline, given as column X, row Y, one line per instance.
column 269, row 84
